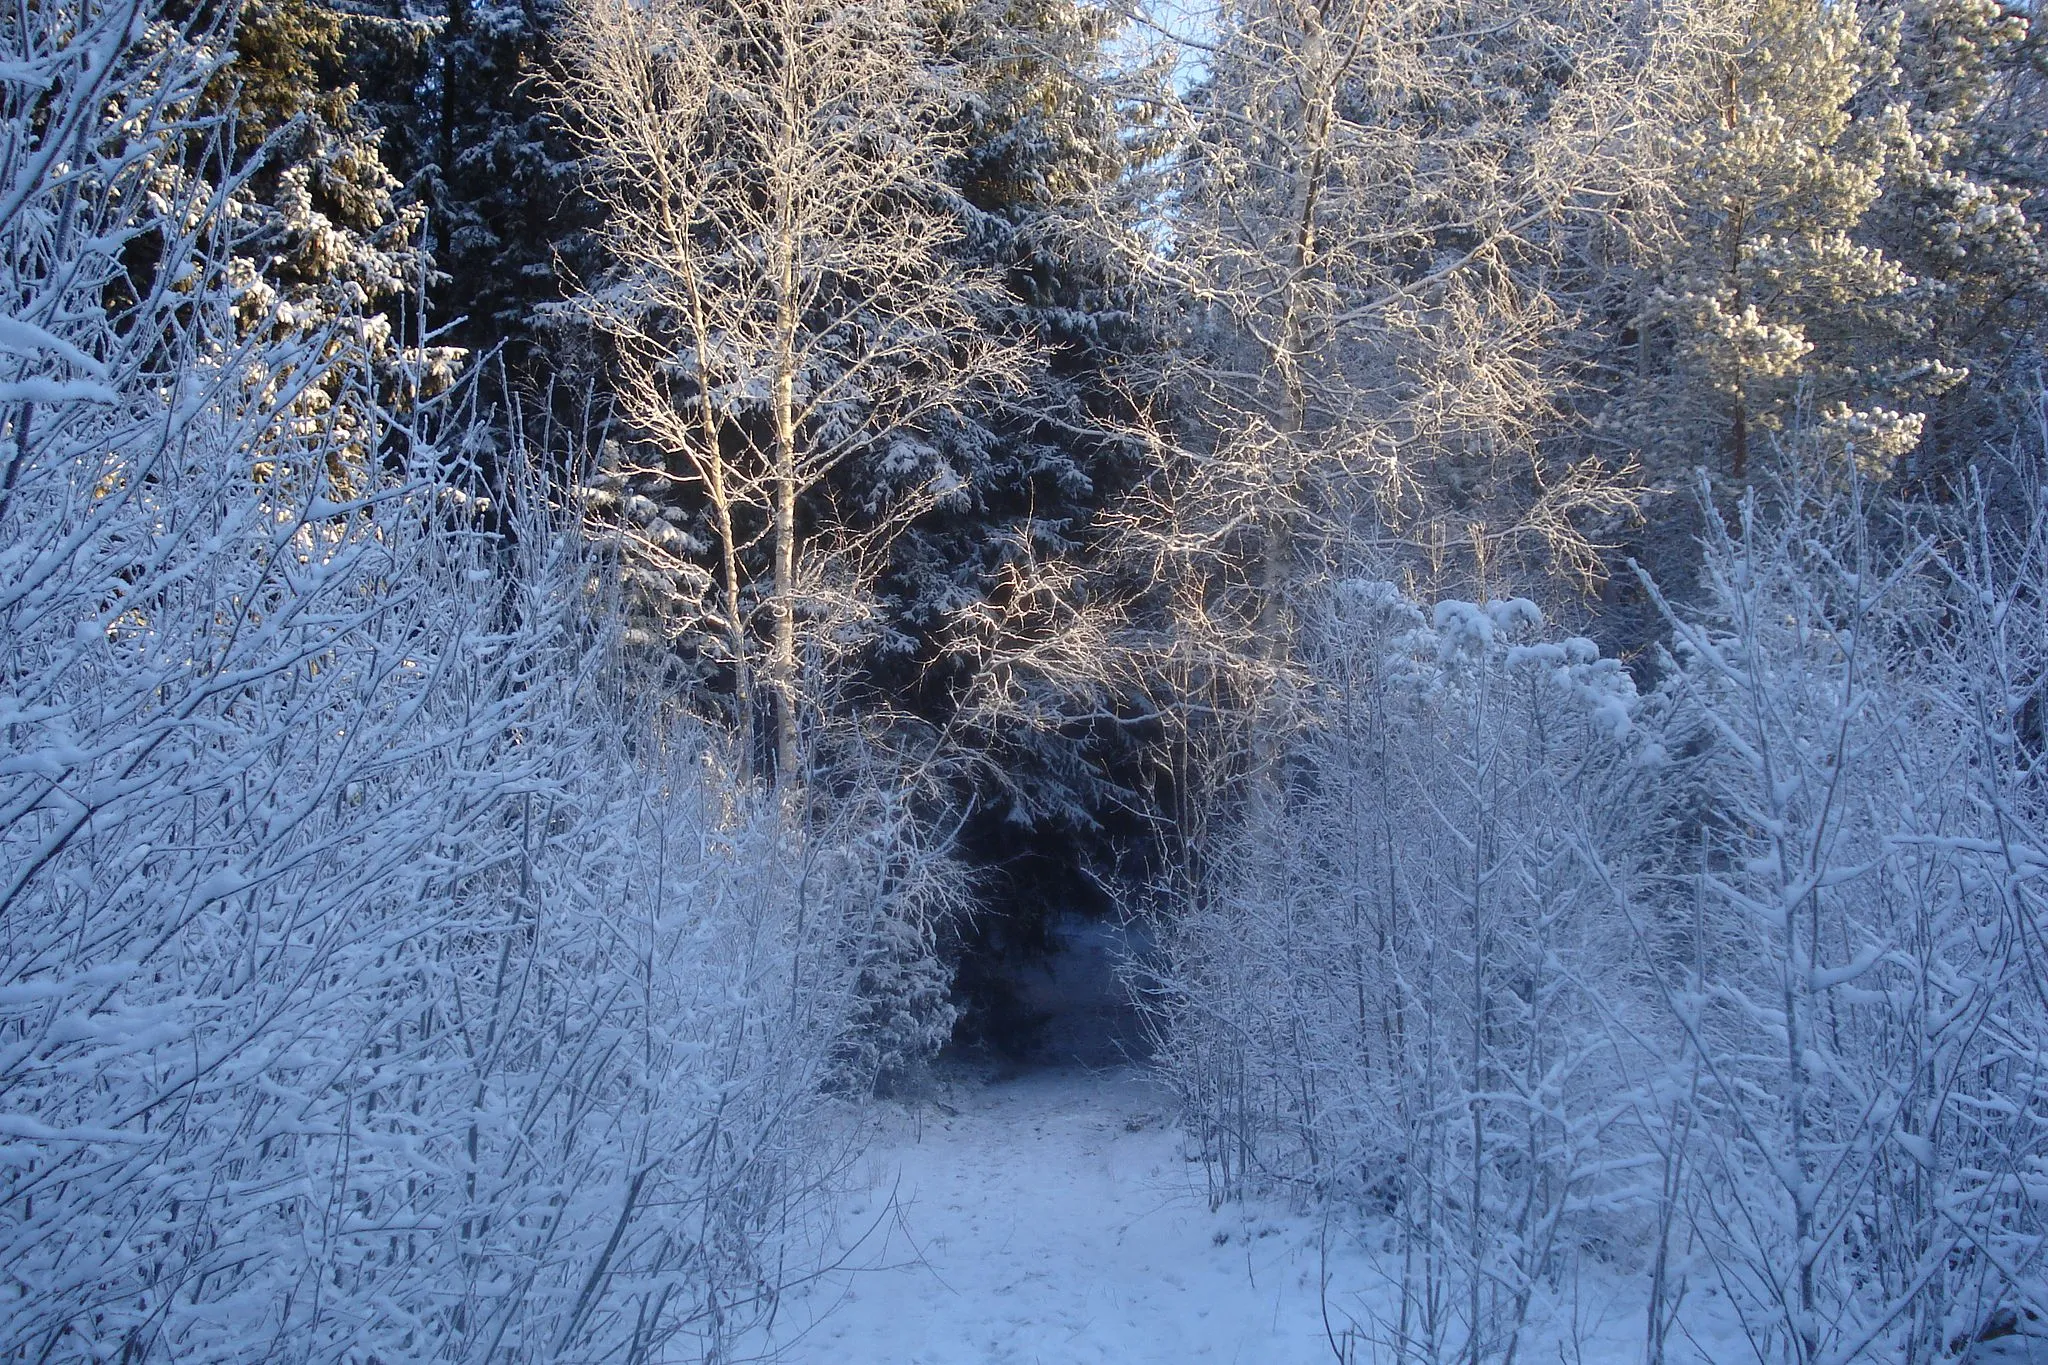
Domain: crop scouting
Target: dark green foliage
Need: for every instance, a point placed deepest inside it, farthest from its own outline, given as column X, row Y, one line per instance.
column 1964, row 213
column 1029, row 475
column 471, row 134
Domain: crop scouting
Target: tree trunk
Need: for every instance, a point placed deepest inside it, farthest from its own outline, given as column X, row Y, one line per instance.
column 735, row 622
column 782, row 649
column 1738, row 226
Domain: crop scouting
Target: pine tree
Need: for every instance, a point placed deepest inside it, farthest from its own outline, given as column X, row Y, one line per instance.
column 1767, row 314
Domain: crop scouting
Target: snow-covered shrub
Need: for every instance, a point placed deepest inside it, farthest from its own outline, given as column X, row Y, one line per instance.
column 386, row 971
column 1851, row 965
column 897, row 894
column 642, row 1044
column 1387, row 998
column 1736, row 985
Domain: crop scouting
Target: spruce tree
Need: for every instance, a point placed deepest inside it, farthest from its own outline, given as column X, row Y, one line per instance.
column 326, row 238
column 1051, row 800
column 1027, row 474
column 482, row 149
column 330, row 232
column 1963, row 210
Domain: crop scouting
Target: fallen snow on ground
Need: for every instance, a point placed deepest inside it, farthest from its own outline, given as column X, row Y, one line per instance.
column 1056, row 1217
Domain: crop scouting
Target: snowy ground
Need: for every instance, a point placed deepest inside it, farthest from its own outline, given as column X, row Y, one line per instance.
column 1055, row 1217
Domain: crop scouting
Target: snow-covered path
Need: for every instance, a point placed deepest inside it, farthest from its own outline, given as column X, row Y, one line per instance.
column 1055, row 1219
column 1052, row 1218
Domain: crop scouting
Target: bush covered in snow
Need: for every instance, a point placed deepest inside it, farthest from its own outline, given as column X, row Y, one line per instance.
column 1736, row 984
column 385, row 973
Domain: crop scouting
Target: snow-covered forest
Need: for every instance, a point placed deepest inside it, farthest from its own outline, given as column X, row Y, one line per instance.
column 584, row 584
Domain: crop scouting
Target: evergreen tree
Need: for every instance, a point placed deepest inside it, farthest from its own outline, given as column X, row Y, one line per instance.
column 1766, row 311
column 1963, row 210
column 480, row 146
column 1026, row 474
column 1051, row 799
column 331, row 237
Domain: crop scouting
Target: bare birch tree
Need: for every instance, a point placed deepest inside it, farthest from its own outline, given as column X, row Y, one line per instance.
column 1381, row 217
column 783, row 299
column 1381, row 233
